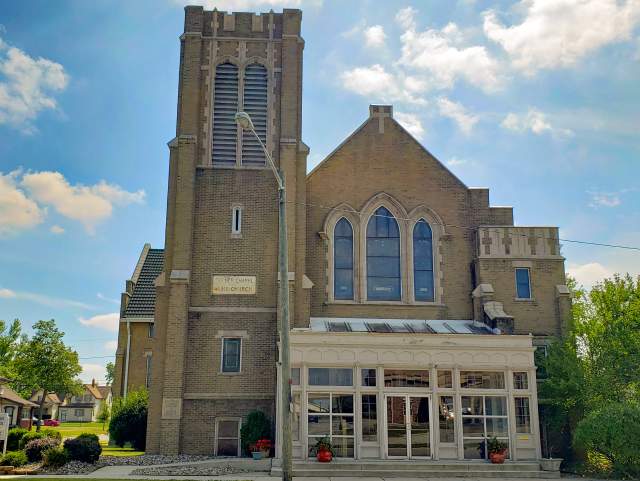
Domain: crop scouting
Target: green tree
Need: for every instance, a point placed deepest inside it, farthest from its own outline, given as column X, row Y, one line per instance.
column 9, row 339
column 111, row 369
column 597, row 364
column 45, row 363
column 105, row 414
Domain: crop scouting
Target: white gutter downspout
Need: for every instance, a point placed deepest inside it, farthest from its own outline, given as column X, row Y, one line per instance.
column 126, row 361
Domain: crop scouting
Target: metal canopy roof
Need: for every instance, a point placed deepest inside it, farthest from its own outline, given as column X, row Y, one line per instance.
column 400, row 326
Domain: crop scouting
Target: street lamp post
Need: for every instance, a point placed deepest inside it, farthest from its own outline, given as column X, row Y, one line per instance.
column 244, row 121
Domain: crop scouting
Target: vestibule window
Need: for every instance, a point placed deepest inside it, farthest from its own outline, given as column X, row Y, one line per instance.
column 383, row 257
column 406, row 378
column 447, row 420
column 423, row 262
column 523, row 415
column 483, row 417
column 322, row 376
column 369, row 417
column 343, row 260
column 482, row 379
column 331, row 415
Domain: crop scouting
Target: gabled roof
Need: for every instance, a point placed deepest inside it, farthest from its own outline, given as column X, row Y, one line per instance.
column 10, row 395
column 93, row 390
column 52, row 398
column 105, row 391
column 374, row 112
column 143, row 298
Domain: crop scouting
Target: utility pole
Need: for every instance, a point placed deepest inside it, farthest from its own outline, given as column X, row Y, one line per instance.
column 244, row 121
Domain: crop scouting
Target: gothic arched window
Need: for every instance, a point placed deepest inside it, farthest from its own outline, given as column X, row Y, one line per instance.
column 343, row 260
column 255, row 104
column 423, row 262
column 225, row 106
column 383, row 257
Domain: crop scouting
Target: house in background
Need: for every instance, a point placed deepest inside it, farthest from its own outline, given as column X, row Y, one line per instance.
column 85, row 407
column 50, row 406
column 18, row 408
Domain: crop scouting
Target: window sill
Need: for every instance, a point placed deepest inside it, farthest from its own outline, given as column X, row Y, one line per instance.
column 524, row 299
column 230, row 373
column 235, row 167
column 385, row 303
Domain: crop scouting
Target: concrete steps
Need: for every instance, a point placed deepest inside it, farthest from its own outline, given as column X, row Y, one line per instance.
column 417, row 469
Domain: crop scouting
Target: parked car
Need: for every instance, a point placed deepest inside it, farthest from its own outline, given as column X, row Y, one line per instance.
column 51, row 422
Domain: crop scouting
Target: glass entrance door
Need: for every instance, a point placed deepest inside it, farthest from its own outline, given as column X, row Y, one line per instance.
column 408, row 426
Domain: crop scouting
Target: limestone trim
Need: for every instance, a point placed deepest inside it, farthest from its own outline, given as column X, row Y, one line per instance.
column 227, row 395
column 232, row 309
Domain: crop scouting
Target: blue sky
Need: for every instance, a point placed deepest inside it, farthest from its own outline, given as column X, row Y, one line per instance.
column 537, row 100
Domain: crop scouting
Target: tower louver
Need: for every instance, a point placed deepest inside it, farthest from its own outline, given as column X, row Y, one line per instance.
column 225, row 106
column 255, row 104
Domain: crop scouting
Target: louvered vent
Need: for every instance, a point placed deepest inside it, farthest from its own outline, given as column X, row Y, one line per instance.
column 255, row 104
column 225, row 106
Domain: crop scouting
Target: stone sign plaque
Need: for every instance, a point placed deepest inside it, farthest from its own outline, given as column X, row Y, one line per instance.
column 233, row 285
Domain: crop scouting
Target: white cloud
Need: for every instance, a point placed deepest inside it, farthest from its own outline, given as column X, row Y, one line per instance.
column 111, row 345
column 376, row 83
column 455, row 161
column 56, row 229
column 17, row 211
column 27, row 86
column 534, row 121
column 605, row 199
column 374, row 36
column 44, row 300
column 559, row 33
column 411, row 122
column 93, row 371
column 456, row 112
column 443, row 57
column 589, row 274
column 107, row 299
column 108, row 322
column 7, row 294
column 89, row 205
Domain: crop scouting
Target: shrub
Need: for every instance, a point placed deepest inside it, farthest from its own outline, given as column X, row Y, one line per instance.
column 612, row 432
column 30, row 436
column 83, row 449
column 55, row 457
column 256, row 426
column 14, row 458
column 129, row 420
column 52, row 433
column 89, row 436
column 36, row 447
column 14, row 437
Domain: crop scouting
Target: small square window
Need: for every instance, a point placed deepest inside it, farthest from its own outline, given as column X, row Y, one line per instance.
column 523, row 283
column 368, row 377
column 231, row 354
column 520, row 380
column 445, row 379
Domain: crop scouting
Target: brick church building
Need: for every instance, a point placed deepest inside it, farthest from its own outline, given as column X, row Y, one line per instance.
column 416, row 306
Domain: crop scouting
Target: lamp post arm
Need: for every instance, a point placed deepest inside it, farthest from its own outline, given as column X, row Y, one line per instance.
column 271, row 163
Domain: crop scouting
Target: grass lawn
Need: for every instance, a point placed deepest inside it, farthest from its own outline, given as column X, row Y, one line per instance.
column 116, row 451
column 71, row 430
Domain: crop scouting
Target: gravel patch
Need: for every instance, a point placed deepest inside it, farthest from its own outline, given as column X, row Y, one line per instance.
column 77, row 467
column 189, row 470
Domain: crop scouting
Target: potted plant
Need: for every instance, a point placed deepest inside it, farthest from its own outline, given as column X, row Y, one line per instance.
column 255, row 452
column 324, row 450
column 497, row 450
column 256, row 426
column 264, row 446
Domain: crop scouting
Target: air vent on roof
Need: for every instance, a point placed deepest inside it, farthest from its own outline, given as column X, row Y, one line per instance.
column 255, row 104
column 225, row 106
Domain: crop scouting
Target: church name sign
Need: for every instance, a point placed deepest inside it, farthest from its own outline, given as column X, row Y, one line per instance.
column 233, row 285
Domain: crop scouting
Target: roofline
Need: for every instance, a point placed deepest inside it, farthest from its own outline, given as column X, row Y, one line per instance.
column 401, row 128
column 141, row 259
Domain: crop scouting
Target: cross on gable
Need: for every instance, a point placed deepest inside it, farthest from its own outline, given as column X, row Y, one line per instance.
column 380, row 112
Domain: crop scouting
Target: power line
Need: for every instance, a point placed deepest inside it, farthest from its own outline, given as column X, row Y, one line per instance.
column 97, row 357
column 472, row 228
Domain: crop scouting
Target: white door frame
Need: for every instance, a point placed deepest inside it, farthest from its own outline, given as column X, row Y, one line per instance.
column 407, row 417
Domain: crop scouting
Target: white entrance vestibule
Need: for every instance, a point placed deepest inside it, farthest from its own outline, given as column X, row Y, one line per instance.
column 408, row 426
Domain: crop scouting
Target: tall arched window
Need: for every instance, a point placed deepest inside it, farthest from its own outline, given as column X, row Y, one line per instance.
column 383, row 257
column 423, row 262
column 343, row 260
column 255, row 104
column 225, row 106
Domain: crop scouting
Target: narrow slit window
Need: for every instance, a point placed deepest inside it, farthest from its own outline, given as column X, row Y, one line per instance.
column 343, row 260
column 423, row 262
column 236, row 220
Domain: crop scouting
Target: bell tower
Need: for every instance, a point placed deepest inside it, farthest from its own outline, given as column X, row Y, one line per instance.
column 215, row 350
